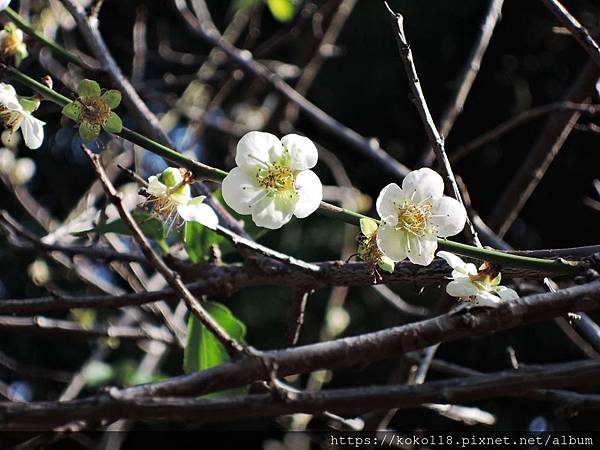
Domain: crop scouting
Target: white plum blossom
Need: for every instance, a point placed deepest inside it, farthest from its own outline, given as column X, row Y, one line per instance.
column 481, row 287
column 170, row 198
column 15, row 116
column 272, row 180
column 414, row 215
column 4, row 4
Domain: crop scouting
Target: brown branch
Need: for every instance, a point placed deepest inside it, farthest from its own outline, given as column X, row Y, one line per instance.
column 297, row 316
column 172, row 277
column 436, row 140
column 224, row 280
column 468, row 74
column 243, row 58
column 370, row 347
column 110, row 407
column 550, row 141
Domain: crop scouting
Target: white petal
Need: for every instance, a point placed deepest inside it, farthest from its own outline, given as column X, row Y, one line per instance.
column 302, row 152
column 240, row 191
column 421, row 250
column 449, row 216
column 4, row 4
column 33, row 132
column 465, row 271
column 273, row 211
column 461, row 289
column 8, row 97
column 256, row 148
column 487, row 299
column 506, row 293
column 201, row 213
column 310, row 193
column 453, row 260
column 423, row 183
column 389, row 196
column 391, row 242
column 155, row 187
column 3, row 34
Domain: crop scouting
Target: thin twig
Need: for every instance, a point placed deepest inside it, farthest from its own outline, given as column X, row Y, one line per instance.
column 436, row 140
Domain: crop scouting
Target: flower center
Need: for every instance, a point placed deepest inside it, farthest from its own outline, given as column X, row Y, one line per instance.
column 94, row 110
column 11, row 119
column 414, row 217
column 11, row 44
column 276, row 178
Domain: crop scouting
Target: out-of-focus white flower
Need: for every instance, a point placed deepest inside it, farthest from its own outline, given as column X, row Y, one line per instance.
column 272, row 180
column 22, row 171
column 414, row 215
column 7, row 160
column 15, row 116
column 4, row 4
column 171, row 199
column 12, row 44
column 481, row 287
column 39, row 272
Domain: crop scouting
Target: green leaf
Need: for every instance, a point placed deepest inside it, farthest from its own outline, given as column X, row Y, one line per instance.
column 198, row 239
column 72, row 111
column 151, row 226
column 203, row 349
column 88, row 88
column 282, row 10
column 112, row 98
column 98, row 373
column 113, row 124
column 89, row 131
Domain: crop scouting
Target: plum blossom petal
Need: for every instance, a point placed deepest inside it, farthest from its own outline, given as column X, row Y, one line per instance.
column 310, row 193
column 395, row 244
column 386, row 203
column 4, row 4
column 33, row 131
column 423, row 183
column 256, row 148
column 421, row 250
column 302, row 152
column 448, row 215
column 461, row 289
column 273, row 212
column 199, row 212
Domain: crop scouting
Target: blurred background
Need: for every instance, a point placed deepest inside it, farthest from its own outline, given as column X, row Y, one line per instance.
column 530, row 62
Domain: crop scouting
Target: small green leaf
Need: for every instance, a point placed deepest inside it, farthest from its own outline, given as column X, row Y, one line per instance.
column 198, row 239
column 72, row 111
column 282, row 10
column 113, row 124
column 203, row 349
column 88, row 88
column 151, row 226
column 89, row 131
column 98, row 373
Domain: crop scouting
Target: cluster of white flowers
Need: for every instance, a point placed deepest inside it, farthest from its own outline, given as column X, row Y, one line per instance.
column 273, row 182
column 15, row 113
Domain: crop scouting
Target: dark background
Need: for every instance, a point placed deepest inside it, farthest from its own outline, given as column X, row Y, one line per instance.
column 364, row 87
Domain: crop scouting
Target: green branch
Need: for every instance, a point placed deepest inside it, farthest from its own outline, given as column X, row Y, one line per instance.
column 202, row 171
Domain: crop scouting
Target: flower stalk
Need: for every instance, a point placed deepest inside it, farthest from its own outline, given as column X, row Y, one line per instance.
column 203, row 171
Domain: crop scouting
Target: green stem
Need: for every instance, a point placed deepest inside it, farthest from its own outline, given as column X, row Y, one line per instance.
column 335, row 212
column 56, row 48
